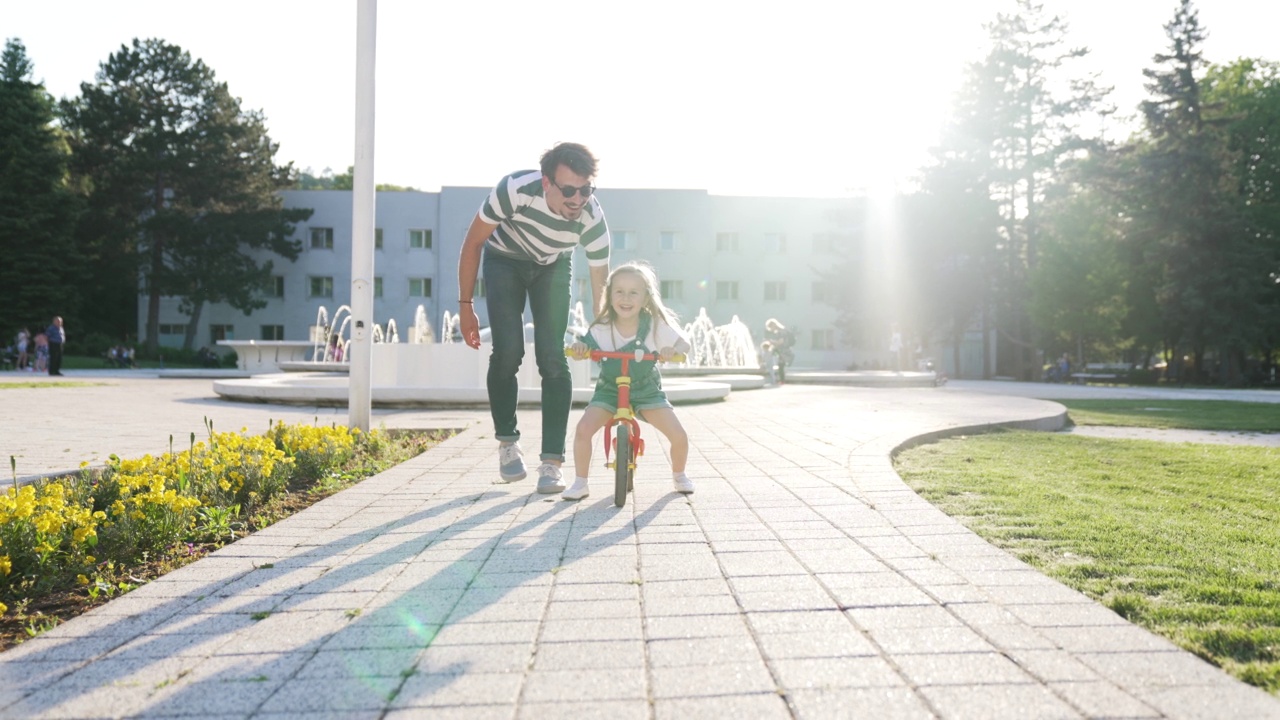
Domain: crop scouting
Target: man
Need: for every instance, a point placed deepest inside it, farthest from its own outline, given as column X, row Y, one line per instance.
column 57, row 336
column 526, row 232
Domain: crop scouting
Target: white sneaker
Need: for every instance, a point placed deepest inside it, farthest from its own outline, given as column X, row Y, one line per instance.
column 577, row 491
column 550, row 481
column 683, row 484
column 511, row 462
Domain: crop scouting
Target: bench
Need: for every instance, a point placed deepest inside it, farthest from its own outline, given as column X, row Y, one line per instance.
column 1102, row 371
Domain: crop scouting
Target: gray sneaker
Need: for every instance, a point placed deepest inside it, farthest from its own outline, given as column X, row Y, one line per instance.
column 549, row 479
column 511, row 462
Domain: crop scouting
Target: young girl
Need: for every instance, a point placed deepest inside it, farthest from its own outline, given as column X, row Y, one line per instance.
column 633, row 317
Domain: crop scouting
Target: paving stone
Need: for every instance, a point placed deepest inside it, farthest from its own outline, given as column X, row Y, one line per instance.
column 883, row 703
column 1015, row 702
column 847, row 643
column 823, row 673
column 685, row 652
column 726, row 678
column 585, row 685
column 590, row 655
column 761, row 706
column 960, row 669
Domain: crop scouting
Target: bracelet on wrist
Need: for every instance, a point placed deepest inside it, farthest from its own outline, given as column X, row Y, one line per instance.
column 466, row 302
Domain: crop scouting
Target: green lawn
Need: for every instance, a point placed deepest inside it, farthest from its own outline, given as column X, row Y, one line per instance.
column 1183, row 539
column 1185, row 414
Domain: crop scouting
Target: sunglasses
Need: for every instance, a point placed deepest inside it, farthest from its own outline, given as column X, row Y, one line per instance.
column 569, row 191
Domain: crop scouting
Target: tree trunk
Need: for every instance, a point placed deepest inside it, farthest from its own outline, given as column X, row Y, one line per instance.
column 188, row 340
column 157, row 267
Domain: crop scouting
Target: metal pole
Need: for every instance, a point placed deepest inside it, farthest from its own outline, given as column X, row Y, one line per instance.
column 359, row 394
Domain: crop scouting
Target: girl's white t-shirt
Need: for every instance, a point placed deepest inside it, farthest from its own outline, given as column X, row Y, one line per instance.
column 661, row 335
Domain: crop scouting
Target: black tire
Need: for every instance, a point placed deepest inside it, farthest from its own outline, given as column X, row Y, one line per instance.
column 622, row 465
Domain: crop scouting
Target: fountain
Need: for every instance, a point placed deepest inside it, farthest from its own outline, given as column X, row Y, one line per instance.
column 420, row 333
column 722, row 348
column 444, row 371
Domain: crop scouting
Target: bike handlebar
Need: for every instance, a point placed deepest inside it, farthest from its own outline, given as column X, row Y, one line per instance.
column 637, row 356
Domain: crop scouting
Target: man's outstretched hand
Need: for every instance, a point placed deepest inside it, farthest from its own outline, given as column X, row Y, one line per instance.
column 470, row 326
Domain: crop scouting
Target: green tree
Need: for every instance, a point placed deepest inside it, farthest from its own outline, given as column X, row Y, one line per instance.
column 1248, row 93
column 1078, row 289
column 1017, row 120
column 37, row 208
column 326, row 180
column 1190, row 224
column 181, row 179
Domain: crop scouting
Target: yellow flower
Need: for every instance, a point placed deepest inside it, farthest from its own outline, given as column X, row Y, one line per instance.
column 3, row 608
column 90, row 559
column 82, row 579
column 6, row 566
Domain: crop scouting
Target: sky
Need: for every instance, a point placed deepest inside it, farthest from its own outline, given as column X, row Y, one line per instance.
column 795, row 98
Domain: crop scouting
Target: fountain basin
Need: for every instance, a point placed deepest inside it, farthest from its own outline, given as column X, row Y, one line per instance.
column 259, row 356
column 332, row 389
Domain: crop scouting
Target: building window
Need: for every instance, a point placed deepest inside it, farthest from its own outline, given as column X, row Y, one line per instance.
column 775, row 291
column 222, row 332
column 321, row 287
column 668, row 241
column 321, row 238
column 377, row 287
column 173, row 329
column 276, row 289
column 272, row 332
column 775, row 243
column 377, row 238
column 831, row 242
column 623, row 239
column 420, row 239
column 727, row 242
column 823, row 292
column 824, row 339
column 420, row 287
column 672, row 290
column 727, row 290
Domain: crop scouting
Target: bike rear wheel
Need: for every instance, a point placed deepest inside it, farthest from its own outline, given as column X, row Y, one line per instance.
column 622, row 465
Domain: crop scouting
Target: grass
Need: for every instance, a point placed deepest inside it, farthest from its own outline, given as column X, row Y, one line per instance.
column 45, row 384
column 1180, row 538
column 1179, row 414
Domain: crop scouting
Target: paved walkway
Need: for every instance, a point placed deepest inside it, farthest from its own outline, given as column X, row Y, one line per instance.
column 803, row 579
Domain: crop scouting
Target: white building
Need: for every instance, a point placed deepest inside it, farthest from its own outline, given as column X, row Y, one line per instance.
column 756, row 258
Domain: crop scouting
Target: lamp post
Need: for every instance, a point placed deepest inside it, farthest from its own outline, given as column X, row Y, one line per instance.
column 360, row 380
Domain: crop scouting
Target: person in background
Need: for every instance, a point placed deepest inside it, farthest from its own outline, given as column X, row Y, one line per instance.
column 57, row 336
column 22, row 342
column 781, row 339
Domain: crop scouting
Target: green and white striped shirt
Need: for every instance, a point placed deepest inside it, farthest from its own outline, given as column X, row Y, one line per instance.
column 528, row 229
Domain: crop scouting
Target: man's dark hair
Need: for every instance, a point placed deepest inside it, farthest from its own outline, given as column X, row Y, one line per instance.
column 572, row 155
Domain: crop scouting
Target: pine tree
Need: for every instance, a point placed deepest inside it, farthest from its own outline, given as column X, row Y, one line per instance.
column 1189, row 225
column 1014, row 126
column 37, row 209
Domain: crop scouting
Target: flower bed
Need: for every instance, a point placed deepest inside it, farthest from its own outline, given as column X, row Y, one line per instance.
column 77, row 540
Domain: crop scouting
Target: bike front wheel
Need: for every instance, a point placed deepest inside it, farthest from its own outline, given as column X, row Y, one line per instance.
column 622, row 465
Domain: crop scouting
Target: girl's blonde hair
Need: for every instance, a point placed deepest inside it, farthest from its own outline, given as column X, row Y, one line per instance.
column 653, row 303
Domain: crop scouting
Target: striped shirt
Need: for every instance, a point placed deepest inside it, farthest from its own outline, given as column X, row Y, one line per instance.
column 529, row 230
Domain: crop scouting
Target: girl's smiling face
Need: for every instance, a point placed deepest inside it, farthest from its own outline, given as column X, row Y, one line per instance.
column 627, row 295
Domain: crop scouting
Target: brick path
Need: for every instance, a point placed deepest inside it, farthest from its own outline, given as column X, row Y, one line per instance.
column 802, row 579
